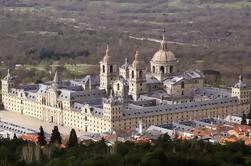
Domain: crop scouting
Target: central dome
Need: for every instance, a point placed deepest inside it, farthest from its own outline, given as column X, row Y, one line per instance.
column 163, row 55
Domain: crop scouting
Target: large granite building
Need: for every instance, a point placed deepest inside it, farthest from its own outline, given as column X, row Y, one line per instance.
column 123, row 97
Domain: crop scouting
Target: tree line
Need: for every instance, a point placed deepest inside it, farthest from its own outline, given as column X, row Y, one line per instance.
column 163, row 151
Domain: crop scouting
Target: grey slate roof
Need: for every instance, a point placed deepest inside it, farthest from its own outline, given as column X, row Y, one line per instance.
column 164, row 109
column 187, row 75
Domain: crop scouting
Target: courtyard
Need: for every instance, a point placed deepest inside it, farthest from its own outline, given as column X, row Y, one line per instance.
column 33, row 123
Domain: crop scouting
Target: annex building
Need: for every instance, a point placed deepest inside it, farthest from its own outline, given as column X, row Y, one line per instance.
column 123, row 97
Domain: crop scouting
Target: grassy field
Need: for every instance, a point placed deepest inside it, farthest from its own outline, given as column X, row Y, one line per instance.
column 234, row 5
column 79, row 68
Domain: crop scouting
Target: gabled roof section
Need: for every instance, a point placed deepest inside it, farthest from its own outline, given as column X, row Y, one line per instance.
column 187, row 75
column 90, row 80
column 240, row 84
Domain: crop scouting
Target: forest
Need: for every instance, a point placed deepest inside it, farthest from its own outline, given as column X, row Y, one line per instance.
column 208, row 35
column 160, row 152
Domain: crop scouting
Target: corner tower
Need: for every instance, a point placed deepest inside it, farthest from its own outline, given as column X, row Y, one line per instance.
column 8, row 82
column 241, row 90
column 108, row 71
column 164, row 62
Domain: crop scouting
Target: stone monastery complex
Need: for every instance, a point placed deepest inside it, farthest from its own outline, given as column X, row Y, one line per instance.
column 125, row 97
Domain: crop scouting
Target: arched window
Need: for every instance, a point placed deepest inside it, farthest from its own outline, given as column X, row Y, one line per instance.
column 103, row 68
column 111, row 69
column 140, row 74
column 182, row 85
column 117, row 86
column 162, row 70
column 132, row 74
column 171, row 69
column 153, row 69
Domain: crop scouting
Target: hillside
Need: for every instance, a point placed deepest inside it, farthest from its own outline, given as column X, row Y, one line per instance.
column 212, row 34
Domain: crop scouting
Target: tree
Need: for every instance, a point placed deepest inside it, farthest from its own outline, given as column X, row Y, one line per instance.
column 41, row 138
column 73, row 139
column 249, row 114
column 30, row 153
column 244, row 119
column 14, row 136
column 55, row 136
column 163, row 141
column 249, row 122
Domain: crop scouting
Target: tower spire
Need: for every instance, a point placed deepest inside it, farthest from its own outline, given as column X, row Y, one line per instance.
column 8, row 74
column 136, row 55
column 107, row 49
column 163, row 43
column 241, row 74
column 111, row 93
column 163, row 37
column 56, row 78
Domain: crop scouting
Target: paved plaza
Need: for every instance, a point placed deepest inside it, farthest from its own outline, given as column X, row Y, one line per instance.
column 33, row 123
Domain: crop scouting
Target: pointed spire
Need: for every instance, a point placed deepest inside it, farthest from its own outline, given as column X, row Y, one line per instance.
column 138, row 61
column 126, row 61
column 8, row 74
column 164, row 31
column 163, row 43
column 136, row 55
column 56, row 78
column 107, row 57
column 241, row 74
column 111, row 94
column 240, row 78
column 107, row 49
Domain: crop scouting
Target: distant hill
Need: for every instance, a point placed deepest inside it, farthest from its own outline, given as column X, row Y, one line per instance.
column 215, row 33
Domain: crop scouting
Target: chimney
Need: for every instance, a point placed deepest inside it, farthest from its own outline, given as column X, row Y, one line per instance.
column 140, row 127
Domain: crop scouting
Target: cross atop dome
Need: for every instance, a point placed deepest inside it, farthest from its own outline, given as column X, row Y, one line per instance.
column 163, row 43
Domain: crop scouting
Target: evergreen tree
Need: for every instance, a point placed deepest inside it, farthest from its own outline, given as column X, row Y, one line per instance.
column 73, row 139
column 41, row 138
column 55, row 136
column 244, row 119
column 14, row 136
column 249, row 122
column 249, row 114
